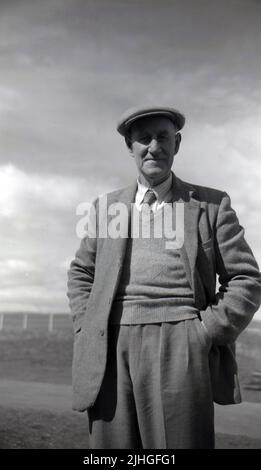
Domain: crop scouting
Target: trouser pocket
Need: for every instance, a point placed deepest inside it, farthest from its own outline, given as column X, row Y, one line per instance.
column 205, row 338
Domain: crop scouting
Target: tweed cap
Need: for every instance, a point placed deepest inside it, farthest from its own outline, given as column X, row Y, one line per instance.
column 133, row 114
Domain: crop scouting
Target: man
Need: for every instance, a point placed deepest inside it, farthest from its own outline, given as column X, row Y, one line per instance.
column 154, row 341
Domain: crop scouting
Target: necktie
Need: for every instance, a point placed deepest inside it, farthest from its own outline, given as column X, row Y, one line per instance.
column 148, row 200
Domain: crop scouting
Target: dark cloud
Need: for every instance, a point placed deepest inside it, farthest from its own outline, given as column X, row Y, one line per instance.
column 75, row 65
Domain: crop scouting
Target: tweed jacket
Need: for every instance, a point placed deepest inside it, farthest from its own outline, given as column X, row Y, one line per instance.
column 214, row 245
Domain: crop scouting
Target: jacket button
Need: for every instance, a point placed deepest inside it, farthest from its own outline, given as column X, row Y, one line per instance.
column 102, row 332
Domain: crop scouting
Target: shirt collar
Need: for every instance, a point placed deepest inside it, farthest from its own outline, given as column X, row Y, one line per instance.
column 160, row 190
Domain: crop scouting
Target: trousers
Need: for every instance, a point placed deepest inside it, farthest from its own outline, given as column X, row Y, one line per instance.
column 156, row 392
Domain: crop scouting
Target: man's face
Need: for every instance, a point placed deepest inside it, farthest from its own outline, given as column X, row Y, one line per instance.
column 153, row 142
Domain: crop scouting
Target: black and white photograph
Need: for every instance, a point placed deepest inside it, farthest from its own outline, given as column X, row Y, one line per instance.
column 130, row 209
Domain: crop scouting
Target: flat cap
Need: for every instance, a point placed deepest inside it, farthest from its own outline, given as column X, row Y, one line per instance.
column 133, row 114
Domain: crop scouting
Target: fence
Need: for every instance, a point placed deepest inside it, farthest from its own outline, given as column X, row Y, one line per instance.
column 35, row 321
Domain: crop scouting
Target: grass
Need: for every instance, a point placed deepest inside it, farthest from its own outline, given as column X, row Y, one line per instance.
column 36, row 356
column 28, row 429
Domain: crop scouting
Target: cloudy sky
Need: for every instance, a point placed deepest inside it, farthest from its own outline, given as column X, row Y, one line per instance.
column 68, row 70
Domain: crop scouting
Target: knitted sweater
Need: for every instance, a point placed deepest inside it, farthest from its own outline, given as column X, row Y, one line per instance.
column 153, row 286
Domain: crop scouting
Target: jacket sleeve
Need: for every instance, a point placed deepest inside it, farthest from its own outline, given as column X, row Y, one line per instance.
column 81, row 277
column 239, row 294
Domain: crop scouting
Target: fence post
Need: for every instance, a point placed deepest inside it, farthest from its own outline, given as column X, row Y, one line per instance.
column 50, row 323
column 25, row 321
column 1, row 321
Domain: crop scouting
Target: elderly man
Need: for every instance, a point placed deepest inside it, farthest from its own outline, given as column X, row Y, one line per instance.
column 154, row 339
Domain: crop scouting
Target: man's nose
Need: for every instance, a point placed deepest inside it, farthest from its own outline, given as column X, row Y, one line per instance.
column 154, row 146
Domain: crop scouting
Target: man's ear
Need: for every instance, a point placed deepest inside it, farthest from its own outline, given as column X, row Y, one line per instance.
column 177, row 143
column 129, row 144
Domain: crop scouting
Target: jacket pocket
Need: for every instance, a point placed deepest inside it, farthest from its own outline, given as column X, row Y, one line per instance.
column 78, row 349
column 78, row 330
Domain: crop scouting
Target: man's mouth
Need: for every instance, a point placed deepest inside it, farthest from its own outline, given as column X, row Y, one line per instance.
column 151, row 159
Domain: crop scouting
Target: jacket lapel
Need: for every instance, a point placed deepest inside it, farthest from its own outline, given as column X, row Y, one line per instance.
column 189, row 249
column 114, row 249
